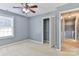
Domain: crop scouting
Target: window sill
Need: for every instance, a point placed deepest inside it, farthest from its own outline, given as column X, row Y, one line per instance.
column 6, row 37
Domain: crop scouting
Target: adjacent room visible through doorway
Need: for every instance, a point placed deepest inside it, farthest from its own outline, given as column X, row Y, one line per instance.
column 69, row 30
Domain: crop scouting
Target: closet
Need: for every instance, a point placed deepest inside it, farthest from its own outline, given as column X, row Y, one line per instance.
column 46, row 30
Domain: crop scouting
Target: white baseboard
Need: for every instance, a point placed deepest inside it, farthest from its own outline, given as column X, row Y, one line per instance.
column 18, row 42
column 13, row 43
column 36, row 41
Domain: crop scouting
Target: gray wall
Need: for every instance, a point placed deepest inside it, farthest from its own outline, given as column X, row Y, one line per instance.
column 20, row 28
column 36, row 26
column 32, row 27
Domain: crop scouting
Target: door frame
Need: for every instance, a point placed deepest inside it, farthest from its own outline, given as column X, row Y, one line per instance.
column 61, row 12
column 50, row 18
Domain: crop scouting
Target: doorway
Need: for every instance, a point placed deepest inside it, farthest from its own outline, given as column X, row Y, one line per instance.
column 69, row 29
column 46, row 30
column 48, row 36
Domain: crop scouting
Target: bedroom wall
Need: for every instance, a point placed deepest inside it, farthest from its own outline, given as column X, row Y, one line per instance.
column 36, row 26
column 31, row 28
column 20, row 28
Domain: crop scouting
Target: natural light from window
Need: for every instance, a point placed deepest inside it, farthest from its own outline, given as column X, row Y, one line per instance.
column 6, row 26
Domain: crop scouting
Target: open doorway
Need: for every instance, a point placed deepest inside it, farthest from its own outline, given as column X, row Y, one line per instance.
column 69, row 29
column 49, row 31
column 46, row 30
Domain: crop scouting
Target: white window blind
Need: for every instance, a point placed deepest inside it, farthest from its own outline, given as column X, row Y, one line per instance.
column 6, row 26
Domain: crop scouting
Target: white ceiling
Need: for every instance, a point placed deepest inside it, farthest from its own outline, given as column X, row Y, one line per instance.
column 42, row 8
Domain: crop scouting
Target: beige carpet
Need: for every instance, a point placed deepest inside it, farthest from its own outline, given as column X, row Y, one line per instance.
column 29, row 48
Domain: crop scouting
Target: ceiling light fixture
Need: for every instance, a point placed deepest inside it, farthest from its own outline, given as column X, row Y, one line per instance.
column 69, row 16
column 27, row 7
column 26, row 11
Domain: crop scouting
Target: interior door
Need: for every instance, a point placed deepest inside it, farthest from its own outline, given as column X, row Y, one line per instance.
column 52, row 31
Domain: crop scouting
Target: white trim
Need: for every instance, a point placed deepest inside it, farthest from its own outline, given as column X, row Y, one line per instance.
column 49, row 27
column 35, row 41
column 13, row 21
column 18, row 42
column 66, row 11
column 60, row 32
column 76, row 28
column 70, row 10
column 13, row 43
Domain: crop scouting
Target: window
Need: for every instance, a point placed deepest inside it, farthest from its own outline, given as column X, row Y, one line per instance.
column 6, row 26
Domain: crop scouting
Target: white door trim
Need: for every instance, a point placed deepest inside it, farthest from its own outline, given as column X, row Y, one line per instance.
column 49, row 30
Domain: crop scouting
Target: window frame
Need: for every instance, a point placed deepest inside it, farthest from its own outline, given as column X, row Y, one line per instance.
column 12, row 26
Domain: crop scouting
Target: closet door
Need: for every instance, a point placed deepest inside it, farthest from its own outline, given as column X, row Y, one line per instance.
column 52, row 31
